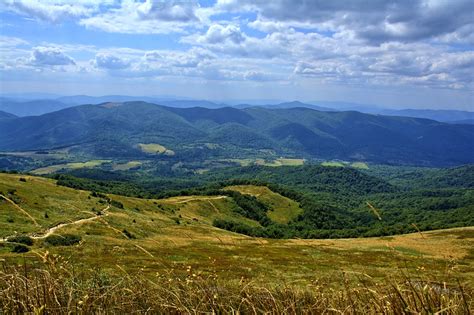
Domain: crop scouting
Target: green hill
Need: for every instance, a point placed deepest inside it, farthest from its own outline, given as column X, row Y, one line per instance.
column 115, row 130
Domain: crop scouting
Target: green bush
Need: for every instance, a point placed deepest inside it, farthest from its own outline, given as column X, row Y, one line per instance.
column 22, row 239
column 116, row 204
column 19, row 248
column 63, row 240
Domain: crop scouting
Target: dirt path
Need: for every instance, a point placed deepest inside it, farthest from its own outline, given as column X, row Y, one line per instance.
column 200, row 199
column 53, row 229
column 80, row 221
column 213, row 206
column 20, row 208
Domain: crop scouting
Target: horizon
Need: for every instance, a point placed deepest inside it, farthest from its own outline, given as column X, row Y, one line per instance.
column 416, row 55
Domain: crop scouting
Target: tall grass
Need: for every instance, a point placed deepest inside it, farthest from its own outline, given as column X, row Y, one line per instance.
column 54, row 286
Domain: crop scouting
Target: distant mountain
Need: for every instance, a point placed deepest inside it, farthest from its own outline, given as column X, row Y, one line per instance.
column 5, row 115
column 191, row 103
column 116, row 129
column 439, row 115
column 30, row 108
column 85, row 99
column 463, row 122
column 443, row 115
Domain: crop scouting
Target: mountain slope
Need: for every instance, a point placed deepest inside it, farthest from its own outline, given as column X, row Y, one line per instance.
column 296, row 131
column 5, row 115
column 31, row 108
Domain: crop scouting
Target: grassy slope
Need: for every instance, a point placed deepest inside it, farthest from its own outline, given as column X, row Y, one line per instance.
column 162, row 245
column 282, row 210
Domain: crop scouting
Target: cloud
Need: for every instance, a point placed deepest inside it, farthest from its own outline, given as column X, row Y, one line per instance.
column 150, row 17
column 10, row 42
column 52, row 11
column 171, row 11
column 373, row 21
column 217, row 34
column 50, row 56
column 110, row 62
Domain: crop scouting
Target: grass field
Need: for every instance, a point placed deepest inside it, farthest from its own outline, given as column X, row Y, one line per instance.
column 155, row 148
column 174, row 238
column 126, row 166
column 76, row 165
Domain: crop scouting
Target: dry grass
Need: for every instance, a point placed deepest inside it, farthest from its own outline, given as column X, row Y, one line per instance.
column 55, row 286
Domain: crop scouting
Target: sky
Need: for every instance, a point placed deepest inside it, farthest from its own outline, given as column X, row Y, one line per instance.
column 391, row 53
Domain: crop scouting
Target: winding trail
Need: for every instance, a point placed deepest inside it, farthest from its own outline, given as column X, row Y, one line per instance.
column 199, row 199
column 53, row 229
column 50, row 231
column 20, row 208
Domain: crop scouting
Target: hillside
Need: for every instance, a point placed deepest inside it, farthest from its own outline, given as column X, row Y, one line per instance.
column 5, row 115
column 116, row 129
column 132, row 232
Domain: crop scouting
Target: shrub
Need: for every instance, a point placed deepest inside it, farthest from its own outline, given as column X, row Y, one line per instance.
column 116, row 204
column 19, row 248
column 63, row 240
column 22, row 239
column 22, row 179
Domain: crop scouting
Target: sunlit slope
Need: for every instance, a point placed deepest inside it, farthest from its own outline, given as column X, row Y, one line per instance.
column 282, row 209
column 172, row 234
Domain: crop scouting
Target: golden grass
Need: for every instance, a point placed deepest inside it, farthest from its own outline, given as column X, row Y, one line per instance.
column 160, row 242
column 57, row 286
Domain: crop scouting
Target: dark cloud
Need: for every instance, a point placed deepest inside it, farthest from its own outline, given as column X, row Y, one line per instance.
column 375, row 21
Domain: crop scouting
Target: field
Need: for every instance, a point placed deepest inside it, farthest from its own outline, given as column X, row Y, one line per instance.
column 70, row 166
column 126, row 166
column 174, row 238
column 155, row 148
column 276, row 162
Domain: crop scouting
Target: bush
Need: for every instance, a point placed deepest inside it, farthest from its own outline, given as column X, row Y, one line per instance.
column 63, row 240
column 116, row 204
column 22, row 179
column 22, row 239
column 19, row 248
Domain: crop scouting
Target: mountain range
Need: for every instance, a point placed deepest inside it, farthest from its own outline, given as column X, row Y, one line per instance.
column 29, row 106
column 116, row 130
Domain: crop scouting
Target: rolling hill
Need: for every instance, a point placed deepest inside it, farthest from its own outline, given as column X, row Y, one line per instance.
column 115, row 129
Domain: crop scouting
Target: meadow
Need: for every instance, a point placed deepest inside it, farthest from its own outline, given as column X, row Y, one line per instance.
column 170, row 257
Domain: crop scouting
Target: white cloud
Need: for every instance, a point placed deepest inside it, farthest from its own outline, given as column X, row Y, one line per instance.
column 52, row 11
column 217, row 34
column 171, row 10
column 111, row 62
column 50, row 56
column 150, row 17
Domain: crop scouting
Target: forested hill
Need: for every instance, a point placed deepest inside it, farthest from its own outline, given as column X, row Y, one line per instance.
column 116, row 129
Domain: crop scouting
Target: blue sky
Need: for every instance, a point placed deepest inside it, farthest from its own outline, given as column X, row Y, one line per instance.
column 416, row 53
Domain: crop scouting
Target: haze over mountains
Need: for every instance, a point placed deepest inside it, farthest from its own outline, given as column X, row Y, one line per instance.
column 116, row 129
column 28, row 105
